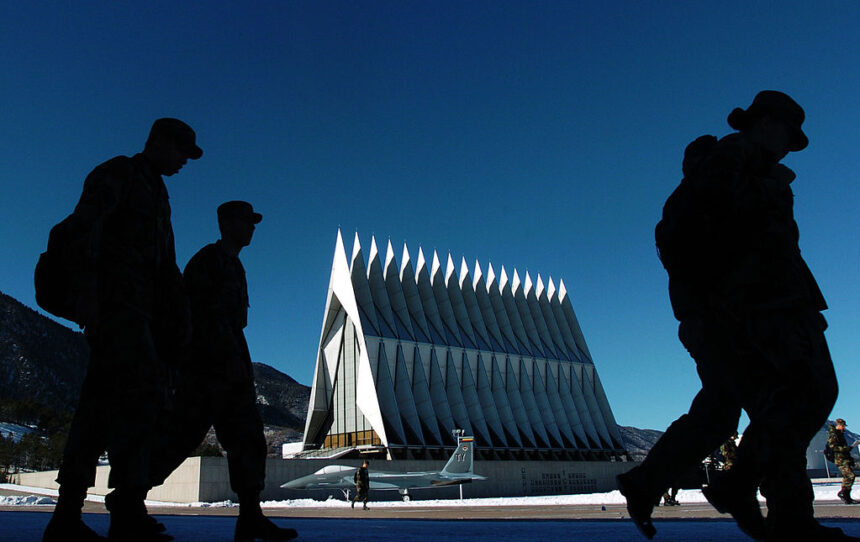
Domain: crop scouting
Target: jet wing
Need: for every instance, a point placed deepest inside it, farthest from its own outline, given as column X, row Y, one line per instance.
column 375, row 484
column 456, row 480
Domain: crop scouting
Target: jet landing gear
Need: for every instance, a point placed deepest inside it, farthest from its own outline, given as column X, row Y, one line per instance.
column 345, row 494
column 404, row 494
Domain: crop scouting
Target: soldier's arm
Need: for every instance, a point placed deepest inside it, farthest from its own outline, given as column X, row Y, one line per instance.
column 837, row 444
column 211, row 323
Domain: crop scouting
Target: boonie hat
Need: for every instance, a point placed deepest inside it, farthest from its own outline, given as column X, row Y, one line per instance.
column 775, row 104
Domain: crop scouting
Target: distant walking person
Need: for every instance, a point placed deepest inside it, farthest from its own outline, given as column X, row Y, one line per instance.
column 217, row 387
column 842, row 458
column 749, row 312
column 362, row 485
column 729, row 451
column 131, row 303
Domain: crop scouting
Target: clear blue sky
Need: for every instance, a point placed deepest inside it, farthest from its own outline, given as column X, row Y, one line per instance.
column 538, row 135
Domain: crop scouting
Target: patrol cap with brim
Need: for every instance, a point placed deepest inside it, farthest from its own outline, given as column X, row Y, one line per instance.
column 840, row 421
column 180, row 133
column 239, row 209
column 774, row 104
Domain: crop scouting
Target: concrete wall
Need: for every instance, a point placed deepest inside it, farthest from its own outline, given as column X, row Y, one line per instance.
column 183, row 485
column 206, row 479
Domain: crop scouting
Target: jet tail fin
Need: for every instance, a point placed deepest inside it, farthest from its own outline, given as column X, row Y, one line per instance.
column 462, row 460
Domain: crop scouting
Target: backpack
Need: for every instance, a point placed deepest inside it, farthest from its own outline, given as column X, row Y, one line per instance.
column 681, row 234
column 828, row 453
column 54, row 276
column 69, row 253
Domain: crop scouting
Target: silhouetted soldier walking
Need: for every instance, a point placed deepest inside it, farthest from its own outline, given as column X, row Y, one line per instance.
column 217, row 388
column 749, row 312
column 131, row 302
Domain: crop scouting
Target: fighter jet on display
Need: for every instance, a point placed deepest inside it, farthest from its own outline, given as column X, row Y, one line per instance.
column 457, row 471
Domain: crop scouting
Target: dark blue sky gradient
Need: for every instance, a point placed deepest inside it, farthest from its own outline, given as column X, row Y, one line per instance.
column 538, row 135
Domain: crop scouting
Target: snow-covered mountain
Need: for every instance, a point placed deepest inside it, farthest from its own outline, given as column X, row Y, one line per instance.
column 40, row 360
column 638, row 441
column 45, row 362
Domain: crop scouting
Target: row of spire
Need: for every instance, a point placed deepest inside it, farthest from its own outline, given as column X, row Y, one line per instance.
column 500, row 313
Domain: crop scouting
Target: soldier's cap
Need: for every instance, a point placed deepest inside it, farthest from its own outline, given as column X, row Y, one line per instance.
column 774, row 104
column 239, row 209
column 840, row 421
column 179, row 132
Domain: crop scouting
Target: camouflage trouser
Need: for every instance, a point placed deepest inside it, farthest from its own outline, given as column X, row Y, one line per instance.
column 777, row 367
column 360, row 493
column 120, row 399
column 847, row 470
column 231, row 407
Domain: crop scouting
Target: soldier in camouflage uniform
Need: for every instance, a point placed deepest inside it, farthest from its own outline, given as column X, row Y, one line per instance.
column 729, row 449
column 362, row 485
column 217, row 387
column 749, row 312
column 136, row 320
column 842, row 458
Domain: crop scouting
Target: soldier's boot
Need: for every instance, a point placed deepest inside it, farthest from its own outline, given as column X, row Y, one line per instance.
column 845, row 495
column 252, row 525
column 365, row 507
column 129, row 520
column 729, row 497
column 69, row 528
column 353, row 503
column 641, row 500
column 66, row 522
column 111, row 500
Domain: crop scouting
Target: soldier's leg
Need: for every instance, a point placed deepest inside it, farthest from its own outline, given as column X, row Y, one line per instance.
column 847, row 471
column 136, row 399
column 713, row 415
column 180, row 429
column 797, row 390
column 240, row 431
column 86, row 442
column 138, row 391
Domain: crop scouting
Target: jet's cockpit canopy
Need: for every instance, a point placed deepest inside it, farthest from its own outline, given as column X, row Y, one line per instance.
column 334, row 469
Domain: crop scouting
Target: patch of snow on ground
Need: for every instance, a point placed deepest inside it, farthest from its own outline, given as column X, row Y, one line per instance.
column 26, row 500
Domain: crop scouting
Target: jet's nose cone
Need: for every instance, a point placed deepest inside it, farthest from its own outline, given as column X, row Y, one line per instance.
column 293, row 484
